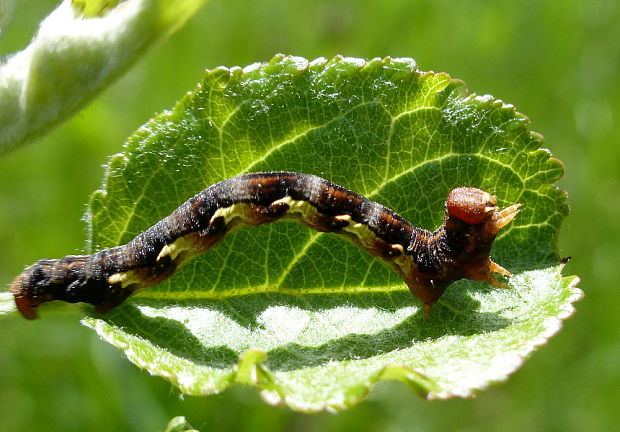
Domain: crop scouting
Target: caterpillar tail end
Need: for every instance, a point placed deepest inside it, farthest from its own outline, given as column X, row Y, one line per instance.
column 26, row 305
column 29, row 312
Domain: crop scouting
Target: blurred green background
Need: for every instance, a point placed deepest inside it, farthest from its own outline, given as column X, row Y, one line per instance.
column 556, row 61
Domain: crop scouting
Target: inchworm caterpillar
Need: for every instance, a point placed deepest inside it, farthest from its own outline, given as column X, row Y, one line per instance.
column 427, row 261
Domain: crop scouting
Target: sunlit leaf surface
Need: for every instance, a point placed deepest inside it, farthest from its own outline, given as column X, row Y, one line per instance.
column 308, row 318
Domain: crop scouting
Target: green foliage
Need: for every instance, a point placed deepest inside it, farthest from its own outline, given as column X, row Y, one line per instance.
column 57, row 376
column 309, row 319
column 179, row 424
column 74, row 56
column 94, row 8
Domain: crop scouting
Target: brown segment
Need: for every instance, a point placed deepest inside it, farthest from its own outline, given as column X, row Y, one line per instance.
column 427, row 261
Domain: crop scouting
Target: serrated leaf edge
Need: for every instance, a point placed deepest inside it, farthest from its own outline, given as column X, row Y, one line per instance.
column 251, row 369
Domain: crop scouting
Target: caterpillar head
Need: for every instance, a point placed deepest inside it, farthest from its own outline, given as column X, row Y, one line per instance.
column 470, row 205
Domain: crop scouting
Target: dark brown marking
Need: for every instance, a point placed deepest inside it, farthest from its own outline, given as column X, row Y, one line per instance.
column 277, row 210
column 164, row 266
column 392, row 252
column 458, row 249
column 216, row 226
column 335, row 224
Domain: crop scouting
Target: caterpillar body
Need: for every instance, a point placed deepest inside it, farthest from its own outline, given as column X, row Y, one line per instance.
column 427, row 261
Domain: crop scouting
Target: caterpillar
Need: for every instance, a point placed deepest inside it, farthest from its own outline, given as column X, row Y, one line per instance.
column 427, row 261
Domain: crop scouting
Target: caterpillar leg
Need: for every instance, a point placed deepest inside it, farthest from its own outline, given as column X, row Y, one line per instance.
column 503, row 218
column 426, row 311
column 483, row 271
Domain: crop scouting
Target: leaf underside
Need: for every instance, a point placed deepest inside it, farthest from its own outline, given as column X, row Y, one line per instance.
column 306, row 317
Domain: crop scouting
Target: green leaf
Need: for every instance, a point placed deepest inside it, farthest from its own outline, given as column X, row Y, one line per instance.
column 74, row 56
column 306, row 317
column 179, row 424
column 6, row 12
column 94, row 8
